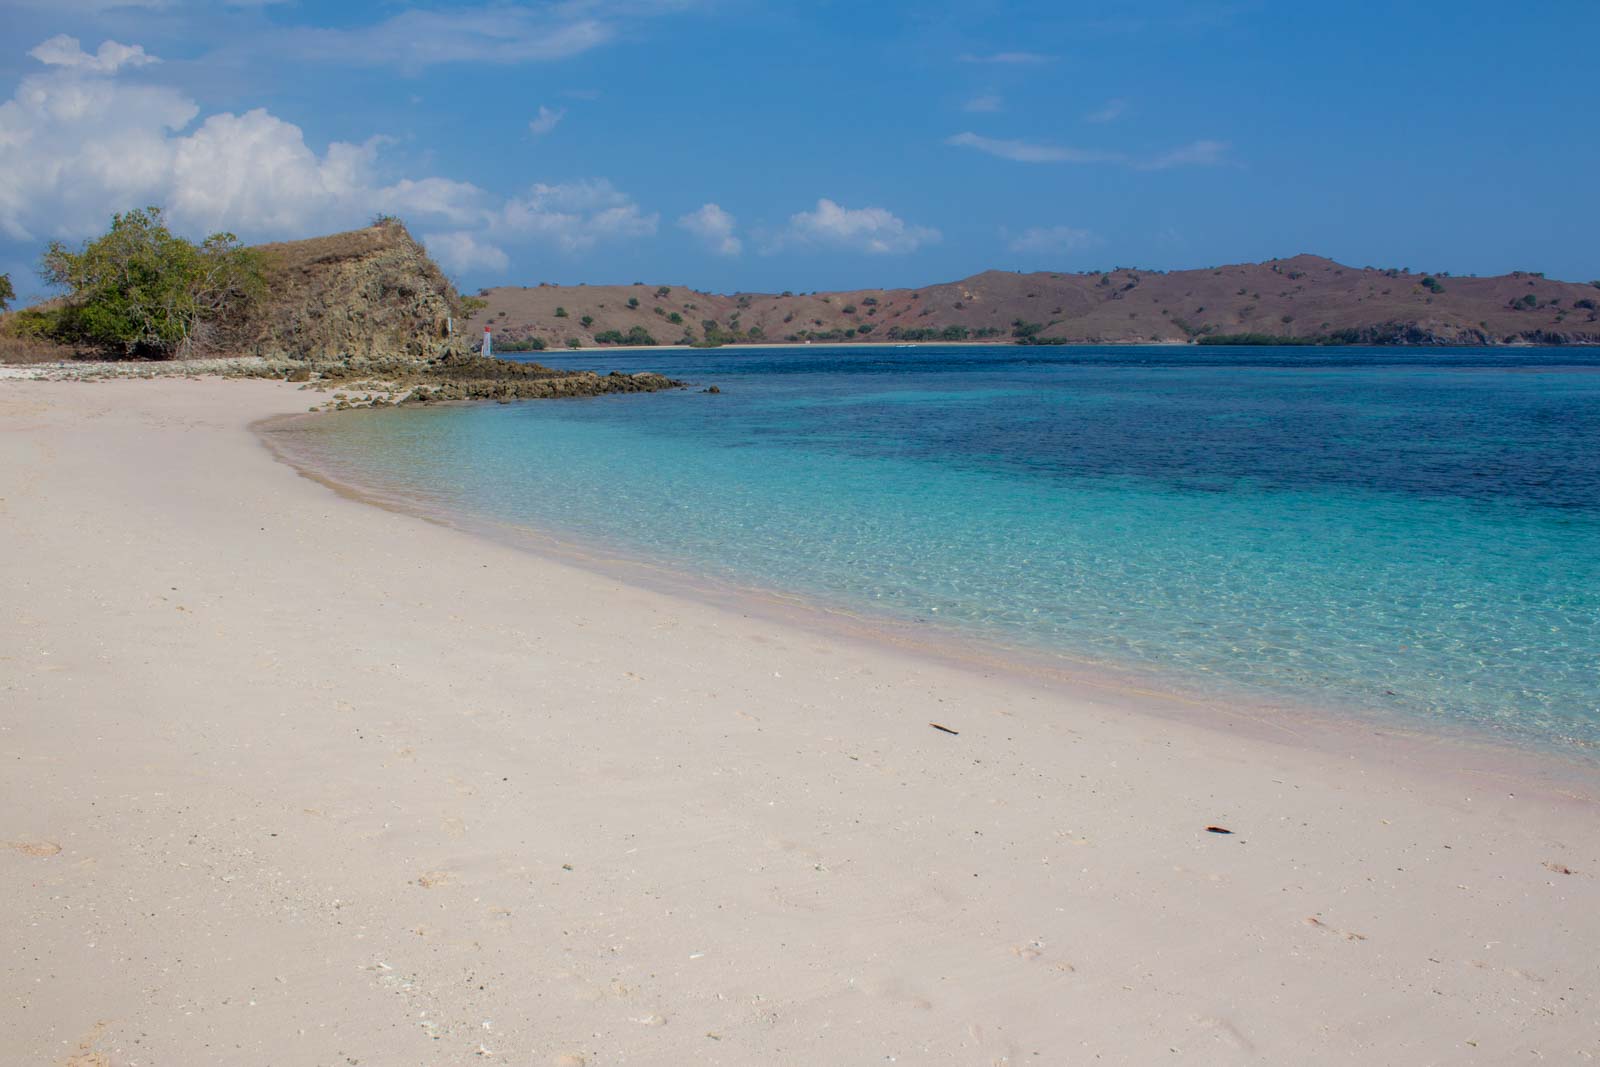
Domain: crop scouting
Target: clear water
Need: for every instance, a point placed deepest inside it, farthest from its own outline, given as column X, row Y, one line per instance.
column 1409, row 531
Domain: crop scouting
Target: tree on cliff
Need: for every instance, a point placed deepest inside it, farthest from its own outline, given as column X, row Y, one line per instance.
column 7, row 293
column 138, row 290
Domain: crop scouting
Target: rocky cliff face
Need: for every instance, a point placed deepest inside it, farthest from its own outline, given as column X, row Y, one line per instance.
column 367, row 293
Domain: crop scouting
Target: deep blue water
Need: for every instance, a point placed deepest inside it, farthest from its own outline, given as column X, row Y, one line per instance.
column 1414, row 531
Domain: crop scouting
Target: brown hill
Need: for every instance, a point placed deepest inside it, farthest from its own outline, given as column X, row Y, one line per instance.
column 1304, row 297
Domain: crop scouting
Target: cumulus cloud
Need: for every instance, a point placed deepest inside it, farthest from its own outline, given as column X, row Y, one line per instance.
column 1053, row 239
column 986, row 103
column 714, row 227
column 869, row 229
column 577, row 215
column 77, row 143
column 255, row 171
column 463, row 251
column 546, row 120
column 1195, row 154
column 111, row 56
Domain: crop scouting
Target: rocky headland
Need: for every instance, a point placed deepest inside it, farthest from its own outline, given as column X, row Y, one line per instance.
column 365, row 315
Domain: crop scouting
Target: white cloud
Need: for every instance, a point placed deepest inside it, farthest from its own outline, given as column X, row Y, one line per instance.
column 869, row 229
column 1031, row 152
column 546, row 120
column 577, row 215
column 1053, row 239
column 74, row 148
column 493, row 33
column 458, row 203
column 77, row 144
column 986, row 103
column 1194, row 154
column 256, row 172
column 714, row 227
column 463, row 251
column 64, row 51
column 1109, row 112
column 1015, row 59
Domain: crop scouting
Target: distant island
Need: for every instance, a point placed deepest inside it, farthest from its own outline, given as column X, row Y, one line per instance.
column 1303, row 300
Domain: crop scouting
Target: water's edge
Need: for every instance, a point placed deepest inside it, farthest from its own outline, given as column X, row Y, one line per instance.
column 1564, row 767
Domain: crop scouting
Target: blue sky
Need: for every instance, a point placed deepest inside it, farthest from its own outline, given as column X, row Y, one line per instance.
column 742, row 144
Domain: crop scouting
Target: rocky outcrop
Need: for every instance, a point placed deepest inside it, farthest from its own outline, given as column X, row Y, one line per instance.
column 463, row 376
column 371, row 293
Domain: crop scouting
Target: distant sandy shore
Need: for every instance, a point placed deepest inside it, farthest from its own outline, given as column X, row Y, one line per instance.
column 292, row 779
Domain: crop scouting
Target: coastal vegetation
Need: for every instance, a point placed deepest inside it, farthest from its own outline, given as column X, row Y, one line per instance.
column 521, row 344
column 636, row 336
column 139, row 290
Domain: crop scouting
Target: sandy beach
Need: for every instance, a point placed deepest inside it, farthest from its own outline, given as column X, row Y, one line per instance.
column 293, row 779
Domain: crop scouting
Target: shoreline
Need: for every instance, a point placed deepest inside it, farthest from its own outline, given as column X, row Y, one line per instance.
column 310, row 779
column 1327, row 725
column 552, row 351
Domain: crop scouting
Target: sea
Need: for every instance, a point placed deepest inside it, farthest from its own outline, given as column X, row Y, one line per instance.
column 1407, row 533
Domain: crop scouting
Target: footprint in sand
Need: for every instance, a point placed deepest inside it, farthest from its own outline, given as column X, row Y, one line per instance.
column 434, row 879
column 40, row 849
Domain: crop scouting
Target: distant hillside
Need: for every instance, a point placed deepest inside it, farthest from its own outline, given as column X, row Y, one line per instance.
column 1304, row 298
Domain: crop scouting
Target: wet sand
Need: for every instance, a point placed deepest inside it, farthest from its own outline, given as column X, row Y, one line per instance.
column 292, row 779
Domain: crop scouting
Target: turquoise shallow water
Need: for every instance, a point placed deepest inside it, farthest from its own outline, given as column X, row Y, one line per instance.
column 1415, row 532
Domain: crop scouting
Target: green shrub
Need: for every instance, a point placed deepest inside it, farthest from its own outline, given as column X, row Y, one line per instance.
column 675, row 318
column 587, row 321
column 633, row 302
column 139, row 291
column 638, row 335
column 521, row 344
column 7, row 293
column 573, row 342
column 561, row 312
